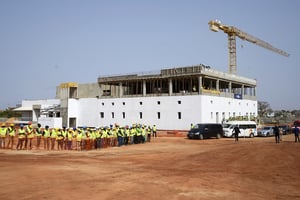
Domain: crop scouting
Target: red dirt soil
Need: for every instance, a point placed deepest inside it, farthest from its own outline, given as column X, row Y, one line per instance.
column 167, row 168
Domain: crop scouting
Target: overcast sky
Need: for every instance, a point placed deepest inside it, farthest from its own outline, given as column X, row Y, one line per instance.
column 47, row 42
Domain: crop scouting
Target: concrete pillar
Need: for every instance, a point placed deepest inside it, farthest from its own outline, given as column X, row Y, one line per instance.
column 170, row 87
column 217, row 84
column 230, row 87
column 200, row 85
column 243, row 90
column 144, row 87
column 120, row 89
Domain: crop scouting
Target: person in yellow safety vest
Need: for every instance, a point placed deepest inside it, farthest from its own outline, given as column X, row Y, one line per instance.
column 38, row 134
column 53, row 138
column 11, row 135
column 103, row 138
column 83, row 138
column 108, row 137
column 154, row 134
column 98, row 139
column 127, row 135
column 28, row 130
column 114, row 137
column 143, row 134
column 59, row 139
column 21, row 137
column 93, row 138
column 131, row 135
column 78, row 139
column 30, row 135
column 65, row 140
column 69, row 138
column 139, row 133
column 74, row 133
column 46, row 134
column 3, row 133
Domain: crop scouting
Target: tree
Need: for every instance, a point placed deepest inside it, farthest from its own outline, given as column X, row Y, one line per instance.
column 8, row 113
column 263, row 108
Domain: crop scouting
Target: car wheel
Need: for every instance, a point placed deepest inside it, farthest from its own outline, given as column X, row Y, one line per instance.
column 218, row 136
column 201, row 136
column 268, row 134
column 251, row 135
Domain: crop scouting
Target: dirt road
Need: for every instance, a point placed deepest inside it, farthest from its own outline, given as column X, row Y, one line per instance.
column 167, row 168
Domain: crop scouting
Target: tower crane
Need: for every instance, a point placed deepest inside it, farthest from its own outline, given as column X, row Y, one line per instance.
column 232, row 32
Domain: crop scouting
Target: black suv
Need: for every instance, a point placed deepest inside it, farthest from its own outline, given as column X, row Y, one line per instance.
column 205, row 130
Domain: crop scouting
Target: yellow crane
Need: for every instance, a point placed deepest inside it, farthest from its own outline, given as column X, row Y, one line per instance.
column 232, row 32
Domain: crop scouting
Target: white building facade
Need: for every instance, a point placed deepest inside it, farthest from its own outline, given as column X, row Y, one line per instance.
column 171, row 99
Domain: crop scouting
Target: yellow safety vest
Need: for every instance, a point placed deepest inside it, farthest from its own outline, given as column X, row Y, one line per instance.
column 46, row 133
column 3, row 132
column 21, row 133
column 11, row 132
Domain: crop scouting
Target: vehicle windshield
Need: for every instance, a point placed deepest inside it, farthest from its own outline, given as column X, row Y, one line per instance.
column 230, row 126
column 267, row 128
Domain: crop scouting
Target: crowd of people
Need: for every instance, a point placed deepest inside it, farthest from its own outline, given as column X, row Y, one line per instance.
column 83, row 138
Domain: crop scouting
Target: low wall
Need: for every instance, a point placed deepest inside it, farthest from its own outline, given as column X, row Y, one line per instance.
column 172, row 133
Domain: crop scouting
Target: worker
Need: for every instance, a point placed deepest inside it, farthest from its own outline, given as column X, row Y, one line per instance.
column 69, row 138
column 53, row 137
column 21, row 137
column 59, row 139
column 98, row 139
column 30, row 135
column 11, row 135
column 127, row 135
column 28, row 131
column 103, row 137
column 65, row 141
column 46, row 134
column 79, row 139
column 38, row 134
column 154, row 131
column 3, row 133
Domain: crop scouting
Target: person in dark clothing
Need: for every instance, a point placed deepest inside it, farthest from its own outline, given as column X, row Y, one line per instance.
column 276, row 133
column 296, row 133
column 236, row 132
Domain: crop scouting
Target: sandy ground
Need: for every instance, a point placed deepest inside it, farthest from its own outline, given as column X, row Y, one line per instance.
column 167, row 168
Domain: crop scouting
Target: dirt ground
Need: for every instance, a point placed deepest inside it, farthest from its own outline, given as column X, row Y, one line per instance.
column 167, row 168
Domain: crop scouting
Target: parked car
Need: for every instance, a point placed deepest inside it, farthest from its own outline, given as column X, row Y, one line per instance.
column 205, row 130
column 285, row 129
column 265, row 131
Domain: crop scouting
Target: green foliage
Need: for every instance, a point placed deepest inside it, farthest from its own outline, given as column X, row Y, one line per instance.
column 8, row 113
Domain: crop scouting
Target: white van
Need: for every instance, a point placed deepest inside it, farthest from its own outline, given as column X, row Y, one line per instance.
column 247, row 128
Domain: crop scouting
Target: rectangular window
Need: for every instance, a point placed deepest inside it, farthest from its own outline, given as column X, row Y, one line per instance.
column 179, row 102
column 179, row 115
column 123, row 115
column 112, row 115
column 211, row 115
column 141, row 115
column 158, row 115
column 101, row 115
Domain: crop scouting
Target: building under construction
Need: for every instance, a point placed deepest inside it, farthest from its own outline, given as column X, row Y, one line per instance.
column 172, row 98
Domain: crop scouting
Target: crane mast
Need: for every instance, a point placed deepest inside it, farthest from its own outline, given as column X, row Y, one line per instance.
column 232, row 32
